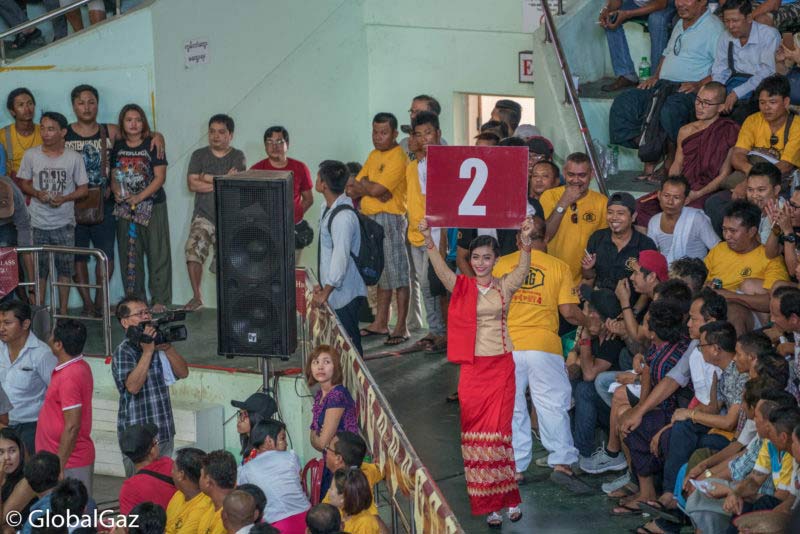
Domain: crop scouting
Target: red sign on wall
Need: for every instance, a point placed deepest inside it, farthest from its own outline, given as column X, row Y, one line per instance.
column 476, row 186
column 9, row 271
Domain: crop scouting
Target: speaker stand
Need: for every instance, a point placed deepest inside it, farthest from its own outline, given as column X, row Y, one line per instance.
column 265, row 366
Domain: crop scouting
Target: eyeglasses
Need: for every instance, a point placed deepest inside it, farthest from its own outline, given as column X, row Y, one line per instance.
column 676, row 48
column 140, row 313
column 701, row 345
column 331, row 450
column 705, row 103
column 278, row 143
column 574, row 216
column 241, row 415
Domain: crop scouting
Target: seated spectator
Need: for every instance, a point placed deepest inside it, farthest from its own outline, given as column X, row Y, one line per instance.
column 239, row 512
column 188, row 505
column 152, row 519
column 784, row 310
column 259, row 496
column 276, row 471
column 509, row 113
column 258, row 407
column 745, row 56
column 609, row 251
column 573, row 213
column 352, row 495
column 16, row 493
column 141, row 210
column 276, row 143
column 741, row 266
column 217, row 480
column 657, row 13
column 678, row 230
column 648, row 272
column 72, row 498
column 264, row 528
column 692, row 271
column 324, row 519
column 43, row 472
column 26, row 365
column 217, row 159
column 749, row 347
column 764, row 190
column 152, row 480
column 682, row 71
column 783, row 15
column 787, row 218
column 65, row 421
column 348, row 451
column 60, row 180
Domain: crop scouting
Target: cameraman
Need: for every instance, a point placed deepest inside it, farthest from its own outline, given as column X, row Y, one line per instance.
column 142, row 378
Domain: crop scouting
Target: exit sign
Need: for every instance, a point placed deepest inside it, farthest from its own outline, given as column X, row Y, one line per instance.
column 526, row 67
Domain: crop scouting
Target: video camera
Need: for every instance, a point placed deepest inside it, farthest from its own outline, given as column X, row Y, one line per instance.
column 169, row 334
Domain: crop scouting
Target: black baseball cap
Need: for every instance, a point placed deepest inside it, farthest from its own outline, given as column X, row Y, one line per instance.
column 623, row 199
column 602, row 300
column 259, row 403
column 137, row 440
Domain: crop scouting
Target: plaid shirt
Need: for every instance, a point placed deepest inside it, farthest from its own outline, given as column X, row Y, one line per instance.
column 151, row 404
column 743, row 465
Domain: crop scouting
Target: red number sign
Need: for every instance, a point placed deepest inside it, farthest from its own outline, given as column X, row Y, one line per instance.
column 476, row 186
column 9, row 271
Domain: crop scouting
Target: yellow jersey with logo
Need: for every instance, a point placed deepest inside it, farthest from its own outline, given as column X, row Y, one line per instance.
column 734, row 268
column 577, row 225
column 387, row 168
column 183, row 517
column 211, row 522
column 533, row 313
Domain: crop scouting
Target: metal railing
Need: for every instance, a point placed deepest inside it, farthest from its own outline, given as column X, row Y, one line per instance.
column 551, row 36
column 54, row 284
column 50, row 15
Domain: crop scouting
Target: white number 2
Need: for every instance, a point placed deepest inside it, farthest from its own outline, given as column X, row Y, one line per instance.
column 467, row 206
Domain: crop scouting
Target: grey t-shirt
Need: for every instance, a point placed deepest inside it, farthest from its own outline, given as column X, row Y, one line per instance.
column 59, row 176
column 203, row 161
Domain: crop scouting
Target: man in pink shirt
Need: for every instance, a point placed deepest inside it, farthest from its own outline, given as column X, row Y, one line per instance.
column 65, row 421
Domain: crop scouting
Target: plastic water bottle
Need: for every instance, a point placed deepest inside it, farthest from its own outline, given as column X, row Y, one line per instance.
column 644, row 69
column 613, row 159
column 602, row 157
column 118, row 176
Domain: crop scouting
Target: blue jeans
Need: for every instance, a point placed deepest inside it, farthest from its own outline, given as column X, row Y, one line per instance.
column 590, row 410
column 685, row 438
column 602, row 383
column 348, row 316
column 658, row 23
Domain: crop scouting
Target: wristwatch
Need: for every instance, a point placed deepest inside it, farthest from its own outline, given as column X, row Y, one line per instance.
column 788, row 238
column 560, row 209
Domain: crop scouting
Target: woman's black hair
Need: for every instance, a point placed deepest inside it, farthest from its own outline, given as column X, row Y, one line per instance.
column 665, row 320
column 16, row 476
column 244, row 439
column 485, row 241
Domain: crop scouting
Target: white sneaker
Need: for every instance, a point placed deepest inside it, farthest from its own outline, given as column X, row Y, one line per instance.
column 600, row 462
column 617, row 483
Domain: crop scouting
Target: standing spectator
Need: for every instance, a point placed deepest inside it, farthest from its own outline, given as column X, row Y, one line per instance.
column 97, row 13
column 141, row 210
column 509, row 113
column 55, row 177
column 152, row 519
column 15, row 228
column 341, row 285
column 66, row 416
column 188, row 504
column 258, row 407
column 381, row 186
column 239, row 512
column 217, row 480
column 216, row 159
column 143, row 372
column 26, row 365
column 683, row 69
column 43, row 472
column 420, row 104
column 23, row 135
column 276, row 143
column 544, row 175
column 14, row 15
column 657, row 13
column 573, row 213
column 152, row 480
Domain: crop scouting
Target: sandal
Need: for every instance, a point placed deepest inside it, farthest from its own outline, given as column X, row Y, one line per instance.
column 623, row 510
column 453, row 397
column 391, row 341
column 366, row 332
column 437, row 347
column 494, row 520
column 193, row 305
column 656, row 509
column 514, row 514
column 426, row 341
column 644, row 530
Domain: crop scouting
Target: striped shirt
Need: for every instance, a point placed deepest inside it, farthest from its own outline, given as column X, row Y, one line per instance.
column 661, row 359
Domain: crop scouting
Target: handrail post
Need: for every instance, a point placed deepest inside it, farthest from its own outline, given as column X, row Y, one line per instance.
column 119, row 7
column 2, row 53
column 560, row 10
column 552, row 32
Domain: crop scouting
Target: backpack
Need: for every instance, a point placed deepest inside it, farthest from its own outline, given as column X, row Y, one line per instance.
column 653, row 139
column 369, row 261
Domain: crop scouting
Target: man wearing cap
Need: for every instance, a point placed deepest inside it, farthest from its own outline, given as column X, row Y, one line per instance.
column 533, row 319
column 152, row 480
column 647, row 271
column 573, row 213
column 596, row 353
column 679, row 230
column 611, row 251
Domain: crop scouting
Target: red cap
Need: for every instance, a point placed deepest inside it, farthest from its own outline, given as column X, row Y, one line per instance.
column 655, row 262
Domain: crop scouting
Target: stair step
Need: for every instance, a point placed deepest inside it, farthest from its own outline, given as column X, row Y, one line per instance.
column 625, row 181
column 593, row 90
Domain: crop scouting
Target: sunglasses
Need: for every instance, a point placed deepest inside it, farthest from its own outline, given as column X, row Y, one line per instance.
column 676, row 48
column 574, row 216
column 773, row 140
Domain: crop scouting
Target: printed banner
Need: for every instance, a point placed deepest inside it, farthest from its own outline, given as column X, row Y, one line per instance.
column 9, row 271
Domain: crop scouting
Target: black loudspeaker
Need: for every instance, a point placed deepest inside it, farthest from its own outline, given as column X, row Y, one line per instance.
column 255, row 264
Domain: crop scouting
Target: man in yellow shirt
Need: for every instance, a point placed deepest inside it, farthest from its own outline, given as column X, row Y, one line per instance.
column 217, row 480
column 188, row 506
column 349, row 450
column 381, row 186
column 533, row 318
column 23, row 134
column 573, row 213
column 739, row 265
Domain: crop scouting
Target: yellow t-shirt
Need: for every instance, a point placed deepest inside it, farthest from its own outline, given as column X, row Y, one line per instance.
column 387, row 168
column 533, row 313
column 781, row 478
column 416, row 204
column 211, row 522
column 363, row 523
column 183, row 517
column 733, row 268
column 374, row 476
column 755, row 134
column 570, row 241
column 19, row 144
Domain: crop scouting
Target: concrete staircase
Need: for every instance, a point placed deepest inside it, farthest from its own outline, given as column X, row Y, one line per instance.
column 196, row 425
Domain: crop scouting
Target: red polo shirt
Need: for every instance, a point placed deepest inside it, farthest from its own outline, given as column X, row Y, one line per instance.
column 142, row 487
column 71, row 387
column 302, row 180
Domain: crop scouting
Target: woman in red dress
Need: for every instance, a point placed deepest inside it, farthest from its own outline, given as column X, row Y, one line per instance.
column 477, row 338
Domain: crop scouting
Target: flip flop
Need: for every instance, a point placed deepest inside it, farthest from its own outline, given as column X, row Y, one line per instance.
column 395, row 340
column 571, row 482
column 643, row 530
column 625, row 510
column 366, row 332
column 193, row 305
column 437, row 347
column 453, row 397
column 656, row 509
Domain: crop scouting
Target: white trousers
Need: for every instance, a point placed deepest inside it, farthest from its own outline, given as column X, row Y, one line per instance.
column 551, row 393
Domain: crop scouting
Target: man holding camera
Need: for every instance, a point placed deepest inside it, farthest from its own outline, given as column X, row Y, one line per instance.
column 143, row 371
